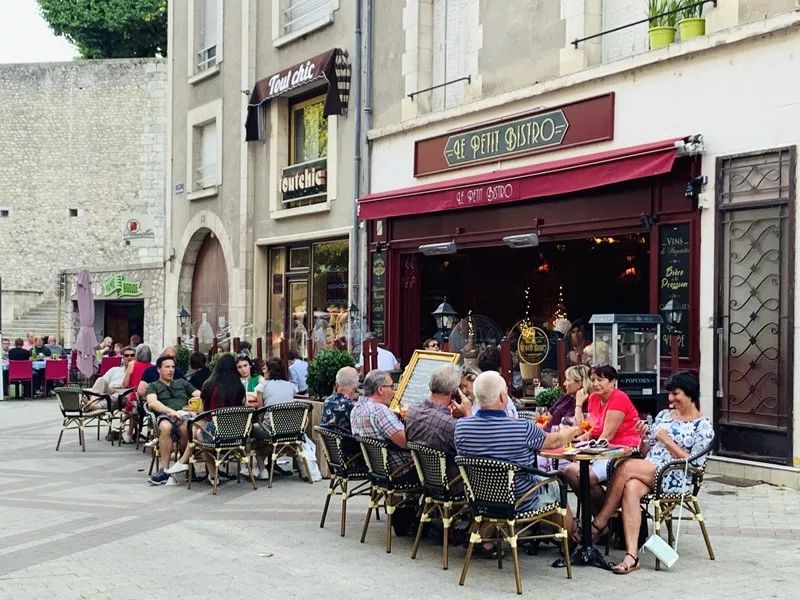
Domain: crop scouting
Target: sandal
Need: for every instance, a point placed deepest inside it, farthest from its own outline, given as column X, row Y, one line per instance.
column 597, row 532
column 623, row 568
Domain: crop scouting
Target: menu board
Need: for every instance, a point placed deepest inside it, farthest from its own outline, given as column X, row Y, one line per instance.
column 378, row 311
column 673, row 279
column 413, row 386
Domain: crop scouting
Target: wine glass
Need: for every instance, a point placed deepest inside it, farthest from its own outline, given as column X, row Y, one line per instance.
column 542, row 416
column 585, row 423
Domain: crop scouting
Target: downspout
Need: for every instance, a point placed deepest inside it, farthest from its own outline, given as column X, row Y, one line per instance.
column 366, row 143
column 355, row 86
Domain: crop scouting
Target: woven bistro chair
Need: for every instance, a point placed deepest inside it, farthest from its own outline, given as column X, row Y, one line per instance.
column 232, row 430
column 442, row 496
column 389, row 489
column 664, row 503
column 286, row 425
column 345, row 464
column 69, row 401
column 493, row 498
column 114, row 414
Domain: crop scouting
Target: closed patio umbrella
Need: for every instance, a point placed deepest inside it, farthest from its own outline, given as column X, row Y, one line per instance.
column 86, row 341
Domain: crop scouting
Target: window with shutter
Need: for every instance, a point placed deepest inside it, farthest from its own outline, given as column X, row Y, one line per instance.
column 207, row 48
column 627, row 41
column 449, row 51
column 300, row 13
column 207, row 170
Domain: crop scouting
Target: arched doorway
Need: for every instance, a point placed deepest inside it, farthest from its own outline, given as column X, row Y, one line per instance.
column 210, row 285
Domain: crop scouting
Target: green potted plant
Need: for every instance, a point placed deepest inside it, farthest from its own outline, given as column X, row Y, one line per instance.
column 691, row 23
column 182, row 358
column 548, row 396
column 662, row 26
column 322, row 370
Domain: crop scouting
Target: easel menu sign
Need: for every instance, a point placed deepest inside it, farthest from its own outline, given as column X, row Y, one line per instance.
column 413, row 387
column 673, row 279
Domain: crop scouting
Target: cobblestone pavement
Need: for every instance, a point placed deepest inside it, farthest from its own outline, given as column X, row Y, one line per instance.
column 87, row 525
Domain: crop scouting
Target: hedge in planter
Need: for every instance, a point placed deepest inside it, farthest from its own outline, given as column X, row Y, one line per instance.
column 322, row 370
column 548, row 397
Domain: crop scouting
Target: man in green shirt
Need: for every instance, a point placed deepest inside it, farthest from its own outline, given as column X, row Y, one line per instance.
column 169, row 398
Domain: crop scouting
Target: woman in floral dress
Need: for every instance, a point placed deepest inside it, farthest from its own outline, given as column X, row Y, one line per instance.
column 676, row 434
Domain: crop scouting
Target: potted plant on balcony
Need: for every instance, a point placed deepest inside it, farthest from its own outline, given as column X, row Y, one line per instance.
column 691, row 23
column 662, row 26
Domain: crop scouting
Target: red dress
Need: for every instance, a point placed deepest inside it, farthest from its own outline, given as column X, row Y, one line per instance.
column 138, row 370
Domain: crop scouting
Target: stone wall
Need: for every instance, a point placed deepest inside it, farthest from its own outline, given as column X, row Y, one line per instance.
column 83, row 150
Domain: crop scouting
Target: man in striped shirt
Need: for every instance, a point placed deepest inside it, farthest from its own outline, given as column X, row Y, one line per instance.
column 490, row 433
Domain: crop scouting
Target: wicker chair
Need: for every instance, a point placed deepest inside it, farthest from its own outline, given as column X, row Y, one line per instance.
column 69, row 401
column 664, row 503
column 286, row 424
column 443, row 497
column 387, row 486
column 492, row 496
column 346, row 464
column 114, row 414
column 230, row 438
column 151, row 419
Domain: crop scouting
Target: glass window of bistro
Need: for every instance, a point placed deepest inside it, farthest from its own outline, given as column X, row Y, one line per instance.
column 308, row 291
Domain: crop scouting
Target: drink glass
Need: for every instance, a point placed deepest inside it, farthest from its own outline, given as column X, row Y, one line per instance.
column 568, row 422
column 586, row 423
column 542, row 416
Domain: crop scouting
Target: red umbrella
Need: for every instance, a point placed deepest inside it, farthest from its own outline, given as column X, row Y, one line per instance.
column 86, row 341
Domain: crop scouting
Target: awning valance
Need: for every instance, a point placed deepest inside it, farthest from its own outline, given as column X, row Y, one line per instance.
column 332, row 66
column 524, row 183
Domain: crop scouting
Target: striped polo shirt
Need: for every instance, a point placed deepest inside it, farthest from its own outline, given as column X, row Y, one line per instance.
column 492, row 434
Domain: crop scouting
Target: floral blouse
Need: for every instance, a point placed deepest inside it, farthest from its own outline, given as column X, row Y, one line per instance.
column 336, row 412
column 693, row 436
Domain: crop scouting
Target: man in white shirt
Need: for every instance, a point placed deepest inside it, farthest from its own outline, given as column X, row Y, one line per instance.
column 110, row 384
column 386, row 360
column 298, row 370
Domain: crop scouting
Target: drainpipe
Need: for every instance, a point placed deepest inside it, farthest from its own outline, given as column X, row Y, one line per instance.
column 355, row 87
column 366, row 143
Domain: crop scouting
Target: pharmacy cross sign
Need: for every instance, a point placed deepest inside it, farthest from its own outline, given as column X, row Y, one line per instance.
column 513, row 137
column 122, row 287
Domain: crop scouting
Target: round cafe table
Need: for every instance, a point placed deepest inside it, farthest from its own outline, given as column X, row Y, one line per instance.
column 586, row 553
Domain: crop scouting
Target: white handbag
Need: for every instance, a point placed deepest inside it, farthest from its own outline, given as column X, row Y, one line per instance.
column 658, row 546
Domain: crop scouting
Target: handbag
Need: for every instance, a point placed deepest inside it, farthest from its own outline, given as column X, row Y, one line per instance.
column 658, row 546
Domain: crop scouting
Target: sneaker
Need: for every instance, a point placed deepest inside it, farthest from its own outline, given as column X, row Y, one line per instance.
column 256, row 472
column 159, row 478
column 177, row 467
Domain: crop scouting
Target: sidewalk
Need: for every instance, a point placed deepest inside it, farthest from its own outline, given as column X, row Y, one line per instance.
column 87, row 525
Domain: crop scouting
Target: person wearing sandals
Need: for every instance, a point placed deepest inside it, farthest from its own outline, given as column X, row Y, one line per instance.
column 676, row 434
column 614, row 419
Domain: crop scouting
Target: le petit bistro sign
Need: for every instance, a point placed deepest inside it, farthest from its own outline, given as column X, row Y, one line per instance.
column 581, row 122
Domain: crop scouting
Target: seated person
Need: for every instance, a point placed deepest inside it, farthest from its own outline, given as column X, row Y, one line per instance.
column 110, row 384
column 53, row 345
column 489, row 360
column 491, row 433
column 6, row 346
column 431, row 345
column 433, row 422
column 169, row 398
column 298, row 371
column 337, row 407
column 386, row 360
column 250, row 380
column 39, row 349
column 18, row 352
column 150, row 374
column 676, row 434
column 277, row 389
column 199, row 372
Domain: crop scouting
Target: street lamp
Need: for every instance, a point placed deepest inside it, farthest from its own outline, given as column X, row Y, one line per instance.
column 183, row 318
column 445, row 318
column 673, row 314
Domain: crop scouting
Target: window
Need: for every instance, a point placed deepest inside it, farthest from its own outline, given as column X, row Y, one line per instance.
column 205, row 18
column 4, row 213
column 204, row 150
column 308, row 133
column 625, row 42
column 301, row 13
column 449, row 51
column 207, row 47
column 206, row 176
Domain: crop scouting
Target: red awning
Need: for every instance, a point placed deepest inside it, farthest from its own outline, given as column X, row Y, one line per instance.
column 524, row 183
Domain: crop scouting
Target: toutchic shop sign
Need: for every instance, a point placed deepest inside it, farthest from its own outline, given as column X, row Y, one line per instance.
column 304, row 180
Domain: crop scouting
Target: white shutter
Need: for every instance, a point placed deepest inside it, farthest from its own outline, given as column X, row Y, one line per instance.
column 207, row 175
column 449, row 51
column 208, row 24
column 626, row 42
column 300, row 13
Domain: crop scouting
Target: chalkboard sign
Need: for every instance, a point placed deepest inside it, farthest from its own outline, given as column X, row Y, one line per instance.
column 378, row 313
column 674, row 278
column 413, row 387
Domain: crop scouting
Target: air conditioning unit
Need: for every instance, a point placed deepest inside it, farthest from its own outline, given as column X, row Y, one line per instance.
column 438, row 249
column 522, row 240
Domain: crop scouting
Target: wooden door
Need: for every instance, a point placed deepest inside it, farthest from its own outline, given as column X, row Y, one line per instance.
column 210, row 285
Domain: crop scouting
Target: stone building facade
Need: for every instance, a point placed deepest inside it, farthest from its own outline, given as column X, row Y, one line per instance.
column 537, row 146
column 82, row 172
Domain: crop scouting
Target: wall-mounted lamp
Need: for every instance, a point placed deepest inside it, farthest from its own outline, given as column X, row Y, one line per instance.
column 438, row 249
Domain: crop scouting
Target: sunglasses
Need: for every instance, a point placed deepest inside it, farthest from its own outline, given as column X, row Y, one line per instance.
column 128, row 355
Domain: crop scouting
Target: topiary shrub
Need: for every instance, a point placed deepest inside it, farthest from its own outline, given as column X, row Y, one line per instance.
column 182, row 358
column 548, row 397
column 323, row 368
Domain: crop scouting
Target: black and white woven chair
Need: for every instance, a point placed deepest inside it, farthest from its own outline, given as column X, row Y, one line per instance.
column 664, row 503
column 114, row 413
column 443, row 496
column 389, row 488
column 346, row 464
column 286, row 425
column 491, row 492
column 231, row 432
column 71, row 405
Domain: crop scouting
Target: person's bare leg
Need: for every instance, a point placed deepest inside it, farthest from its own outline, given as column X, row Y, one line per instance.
column 164, row 442
column 597, row 494
column 572, row 474
column 616, row 486
column 632, row 520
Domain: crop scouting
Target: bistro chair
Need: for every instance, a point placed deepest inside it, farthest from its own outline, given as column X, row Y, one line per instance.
column 390, row 488
column 232, row 430
column 21, row 371
column 151, row 421
column 108, row 363
column 117, row 414
column 286, row 425
column 664, row 502
column 69, row 401
column 345, row 464
column 443, row 496
column 491, row 492
column 55, row 370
